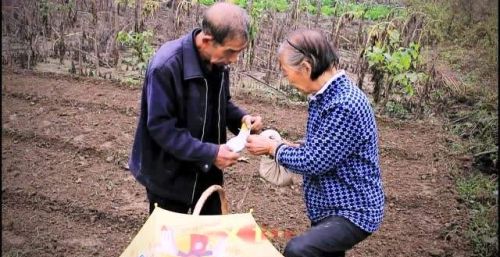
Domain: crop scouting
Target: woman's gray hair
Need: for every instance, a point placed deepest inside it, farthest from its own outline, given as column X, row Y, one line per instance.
column 311, row 46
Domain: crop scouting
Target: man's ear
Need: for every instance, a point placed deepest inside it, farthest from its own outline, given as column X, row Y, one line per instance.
column 306, row 67
column 206, row 39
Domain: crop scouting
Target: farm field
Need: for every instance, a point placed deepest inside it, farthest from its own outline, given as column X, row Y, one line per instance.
column 66, row 190
column 72, row 74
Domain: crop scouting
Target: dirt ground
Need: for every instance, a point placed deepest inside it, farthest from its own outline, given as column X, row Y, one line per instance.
column 66, row 190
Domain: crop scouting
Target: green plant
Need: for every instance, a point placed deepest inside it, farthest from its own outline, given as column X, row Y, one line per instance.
column 479, row 130
column 327, row 10
column 357, row 9
column 149, row 7
column 394, row 64
column 438, row 15
column 377, row 12
column 480, row 193
column 366, row 11
column 396, row 110
column 482, row 231
column 458, row 23
column 131, row 81
column 140, row 43
column 206, row 2
column 261, row 5
column 462, row 32
column 129, row 3
column 457, row 33
column 256, row 10
column 478, row 189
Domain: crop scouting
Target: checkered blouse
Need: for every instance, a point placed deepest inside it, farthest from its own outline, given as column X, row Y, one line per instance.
column 339, row 159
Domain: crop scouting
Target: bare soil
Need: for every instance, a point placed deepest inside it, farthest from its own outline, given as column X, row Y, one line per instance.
column 66, row 190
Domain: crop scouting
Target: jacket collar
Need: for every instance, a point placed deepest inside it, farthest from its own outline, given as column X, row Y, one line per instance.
column 190, row 58
column 337, row 75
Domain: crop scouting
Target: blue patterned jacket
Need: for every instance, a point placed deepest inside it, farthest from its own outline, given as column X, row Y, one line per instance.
column 339, row 159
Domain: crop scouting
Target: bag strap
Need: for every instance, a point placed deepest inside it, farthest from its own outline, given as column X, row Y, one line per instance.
column 206, row 194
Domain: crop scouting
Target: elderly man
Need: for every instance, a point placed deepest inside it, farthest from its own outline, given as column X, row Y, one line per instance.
column 179, row 149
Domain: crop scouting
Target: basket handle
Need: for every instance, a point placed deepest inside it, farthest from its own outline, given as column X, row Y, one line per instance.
column 206, row 194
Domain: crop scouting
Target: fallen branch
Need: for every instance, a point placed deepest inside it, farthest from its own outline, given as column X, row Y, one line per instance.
column 265, row 84
column 485, row 153
column 247, row 188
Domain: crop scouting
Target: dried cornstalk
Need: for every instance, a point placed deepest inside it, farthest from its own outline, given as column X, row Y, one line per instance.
column 94, row 23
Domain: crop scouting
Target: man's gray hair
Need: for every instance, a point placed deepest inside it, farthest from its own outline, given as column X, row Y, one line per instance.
column 226, row 21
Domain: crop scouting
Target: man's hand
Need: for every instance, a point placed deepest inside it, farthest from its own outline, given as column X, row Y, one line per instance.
column 225, row 157
column 254, row 122
column 259, row 145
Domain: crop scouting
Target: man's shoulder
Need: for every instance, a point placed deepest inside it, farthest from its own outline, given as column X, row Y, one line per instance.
column 170, row 53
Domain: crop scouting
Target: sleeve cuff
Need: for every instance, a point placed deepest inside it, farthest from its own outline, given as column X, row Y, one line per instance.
column 276, row 152
column 206, row 165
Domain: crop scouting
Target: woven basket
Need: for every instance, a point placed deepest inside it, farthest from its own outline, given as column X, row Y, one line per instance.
column 206, row 194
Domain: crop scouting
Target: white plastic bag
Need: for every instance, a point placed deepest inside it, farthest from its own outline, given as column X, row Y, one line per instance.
column 237, row 143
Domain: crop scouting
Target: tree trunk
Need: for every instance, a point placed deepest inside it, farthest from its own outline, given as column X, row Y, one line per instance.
column 387, row 94
column 251, row 46
column 337, row 30
column 318, row 12
column 377, row 78
column 80, row 64
column 270, row 60
column 138, row 16
column 361, row 71
column 197, row 12
column 9, row 51
column 62, row 44
column 96, row 49
column 295, row 11
column 115, row 53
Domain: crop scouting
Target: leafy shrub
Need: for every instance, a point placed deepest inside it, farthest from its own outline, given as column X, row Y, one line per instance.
column 480, row 193
column 140, row 43
column 377, row 12
column 396, row 110
column 395, row 65
column 206, row 2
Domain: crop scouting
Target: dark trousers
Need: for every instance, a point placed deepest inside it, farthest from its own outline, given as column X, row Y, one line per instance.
column 331, row 237
column 211, row 206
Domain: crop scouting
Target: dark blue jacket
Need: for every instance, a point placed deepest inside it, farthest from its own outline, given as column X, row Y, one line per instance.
column 170, row 155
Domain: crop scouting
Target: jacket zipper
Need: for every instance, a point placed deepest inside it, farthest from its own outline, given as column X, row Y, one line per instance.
column 202, row 137
column 203, row 129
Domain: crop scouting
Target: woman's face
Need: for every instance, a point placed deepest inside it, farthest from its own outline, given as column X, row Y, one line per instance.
column 298, row 77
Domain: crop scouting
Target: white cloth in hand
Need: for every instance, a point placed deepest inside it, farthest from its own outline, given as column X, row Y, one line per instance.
column 237, row 143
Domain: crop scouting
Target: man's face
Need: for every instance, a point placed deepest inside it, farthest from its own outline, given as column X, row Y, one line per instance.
column 226, row 53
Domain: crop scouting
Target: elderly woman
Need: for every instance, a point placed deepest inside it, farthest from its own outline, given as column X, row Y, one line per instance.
column 339, row 158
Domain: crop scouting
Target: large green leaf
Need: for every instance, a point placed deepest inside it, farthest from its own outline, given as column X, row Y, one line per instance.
column 405, row 61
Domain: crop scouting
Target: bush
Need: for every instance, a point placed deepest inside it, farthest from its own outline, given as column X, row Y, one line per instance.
column 140, row 43
column 480, row 193
column 206, row 2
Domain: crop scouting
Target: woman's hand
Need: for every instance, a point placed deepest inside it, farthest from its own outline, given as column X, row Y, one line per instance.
column 259, row 145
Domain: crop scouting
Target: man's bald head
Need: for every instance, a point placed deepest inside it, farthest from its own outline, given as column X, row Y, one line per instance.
column 226, row 21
